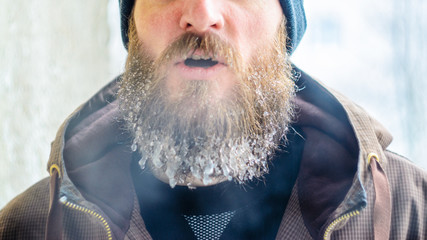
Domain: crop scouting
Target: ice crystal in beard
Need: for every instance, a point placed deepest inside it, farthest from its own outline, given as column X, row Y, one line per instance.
column 232, row 138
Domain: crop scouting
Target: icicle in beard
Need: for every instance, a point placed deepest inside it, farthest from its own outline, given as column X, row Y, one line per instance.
column 190, row 139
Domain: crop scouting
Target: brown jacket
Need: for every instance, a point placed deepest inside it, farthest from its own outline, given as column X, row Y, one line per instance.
column 355, row 189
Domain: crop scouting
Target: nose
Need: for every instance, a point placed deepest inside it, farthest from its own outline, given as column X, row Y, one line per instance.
column 201, row 16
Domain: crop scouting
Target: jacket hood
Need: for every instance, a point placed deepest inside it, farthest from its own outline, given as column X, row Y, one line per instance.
column 333, row 168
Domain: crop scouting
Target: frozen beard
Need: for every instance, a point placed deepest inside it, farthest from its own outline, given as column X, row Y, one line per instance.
column 194, row 135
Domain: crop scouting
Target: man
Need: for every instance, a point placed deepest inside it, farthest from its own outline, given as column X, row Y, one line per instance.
column 211, row 133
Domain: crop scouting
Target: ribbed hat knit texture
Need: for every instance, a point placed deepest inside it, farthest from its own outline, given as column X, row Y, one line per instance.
column 293, row 10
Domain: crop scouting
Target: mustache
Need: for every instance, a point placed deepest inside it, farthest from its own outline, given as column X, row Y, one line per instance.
column 208, row 44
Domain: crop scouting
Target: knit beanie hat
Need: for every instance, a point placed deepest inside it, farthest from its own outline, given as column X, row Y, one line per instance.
column 293, row 10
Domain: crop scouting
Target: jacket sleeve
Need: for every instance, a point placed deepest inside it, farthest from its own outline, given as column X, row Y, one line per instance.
column 25, row 216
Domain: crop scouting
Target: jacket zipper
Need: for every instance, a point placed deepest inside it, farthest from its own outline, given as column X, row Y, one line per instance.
column 338, row 220
column 90, row 212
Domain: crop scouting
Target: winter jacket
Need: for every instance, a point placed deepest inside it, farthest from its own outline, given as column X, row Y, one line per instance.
column 348, row 186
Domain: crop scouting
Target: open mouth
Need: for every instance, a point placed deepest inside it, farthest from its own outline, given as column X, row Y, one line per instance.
column 200, row 66
column 199, row 61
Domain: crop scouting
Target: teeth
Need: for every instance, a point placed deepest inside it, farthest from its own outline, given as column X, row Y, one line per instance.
column 196, row 57
column 204, row 57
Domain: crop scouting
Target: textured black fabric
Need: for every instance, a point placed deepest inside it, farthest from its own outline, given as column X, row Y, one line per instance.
column 292, row 9
column 209, row 226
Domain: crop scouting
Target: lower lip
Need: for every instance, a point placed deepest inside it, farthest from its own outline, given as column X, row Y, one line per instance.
column 199, row 73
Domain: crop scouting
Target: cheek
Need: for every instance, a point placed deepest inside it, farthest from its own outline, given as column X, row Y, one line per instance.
column 254, row 33
column 156, row 32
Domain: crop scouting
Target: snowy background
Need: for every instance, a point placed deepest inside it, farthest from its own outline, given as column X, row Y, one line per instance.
column 55, row 54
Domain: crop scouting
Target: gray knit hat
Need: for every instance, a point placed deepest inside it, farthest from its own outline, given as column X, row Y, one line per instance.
column 293, row 10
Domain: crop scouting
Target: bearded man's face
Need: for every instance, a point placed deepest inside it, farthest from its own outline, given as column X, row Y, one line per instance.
column 203, row 111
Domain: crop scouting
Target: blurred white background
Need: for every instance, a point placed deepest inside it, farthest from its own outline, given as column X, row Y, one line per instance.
column 55, row 54
column 375, row 52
